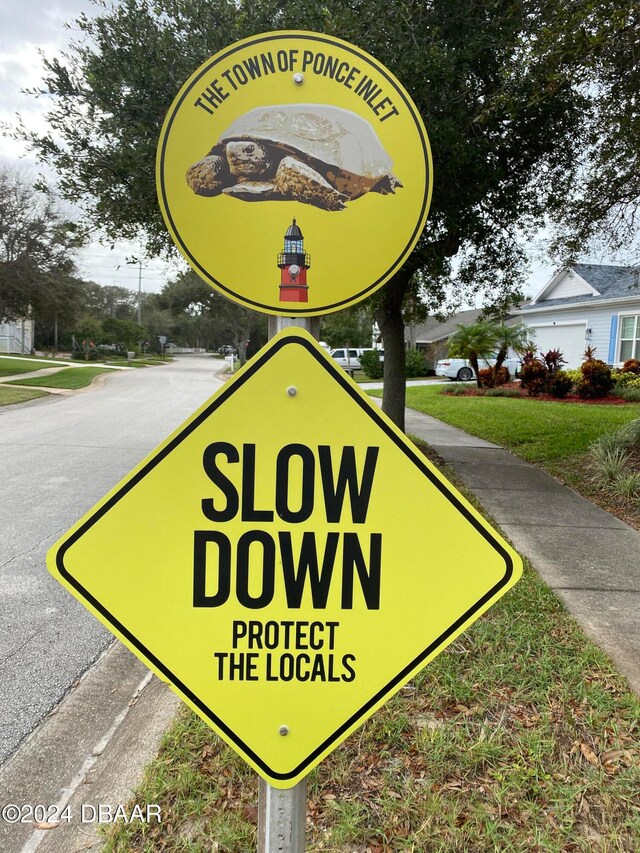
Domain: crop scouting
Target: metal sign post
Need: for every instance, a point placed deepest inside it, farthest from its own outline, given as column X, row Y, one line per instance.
column 282, row 813
column 282, row 818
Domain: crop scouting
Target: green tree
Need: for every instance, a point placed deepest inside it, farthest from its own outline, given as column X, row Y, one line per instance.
column 55, row 309
column 109, row 301
column 203, row 317
column 505, row 118
column 157, row 319
column 125, row 334
column 473, row 343
column 352, row 327
column 36, row 247
column 87, row 334
column 600, row 44
column 518, row 338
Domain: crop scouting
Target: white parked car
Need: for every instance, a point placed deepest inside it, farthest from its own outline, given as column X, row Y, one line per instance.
column 347, row 358
column 350, row 358
column 460, row 369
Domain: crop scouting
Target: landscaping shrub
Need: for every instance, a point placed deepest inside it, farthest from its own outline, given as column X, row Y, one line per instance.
column 486, row 376
column 456, row 389
column 626, row 486
column 90, row 355
column 559, row 384
column 502, row 392
column 631, row 395
column 627, row 385
column 622, row 378
column 574, row 375
column 533, row 374
column 610, row 462
column 415, row 363
column 371, row 364
column 608, row 465
column 596, row 381
column 631, row 365
column 553, row 359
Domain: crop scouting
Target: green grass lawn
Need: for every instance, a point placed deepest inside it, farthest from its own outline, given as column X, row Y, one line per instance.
column 11, row 366
column 9, row 396
column 70, row 377
column 545, row 433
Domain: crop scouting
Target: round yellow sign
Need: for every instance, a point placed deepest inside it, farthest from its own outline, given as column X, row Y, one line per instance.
column 294, row 173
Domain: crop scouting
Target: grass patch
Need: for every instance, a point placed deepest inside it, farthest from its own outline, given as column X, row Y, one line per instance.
column 521, row 736
column 541, row 432
column 71, row 377
column 9, row 396
column 11, row 366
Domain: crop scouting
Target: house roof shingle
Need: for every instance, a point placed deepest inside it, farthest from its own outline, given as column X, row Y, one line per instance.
column 436, row 330
column 611, row 282
column 433, row 330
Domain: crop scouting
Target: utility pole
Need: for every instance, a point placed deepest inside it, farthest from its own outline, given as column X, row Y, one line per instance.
column 139, row 293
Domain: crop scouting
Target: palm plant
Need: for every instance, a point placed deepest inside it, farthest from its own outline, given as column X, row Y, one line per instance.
column 518, row 338
column 474, row 342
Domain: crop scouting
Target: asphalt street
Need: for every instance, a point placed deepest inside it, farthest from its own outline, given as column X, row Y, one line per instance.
column 59, row 456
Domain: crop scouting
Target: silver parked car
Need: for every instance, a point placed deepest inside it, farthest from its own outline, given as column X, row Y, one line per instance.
column 460, row 368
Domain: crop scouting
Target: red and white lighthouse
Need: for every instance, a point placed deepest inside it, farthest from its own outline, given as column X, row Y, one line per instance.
column 294, row 263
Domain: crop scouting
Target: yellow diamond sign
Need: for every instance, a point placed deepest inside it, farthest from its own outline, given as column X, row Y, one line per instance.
column 286, row 560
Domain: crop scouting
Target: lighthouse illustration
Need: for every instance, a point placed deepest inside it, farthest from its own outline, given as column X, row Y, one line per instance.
column 294, row 263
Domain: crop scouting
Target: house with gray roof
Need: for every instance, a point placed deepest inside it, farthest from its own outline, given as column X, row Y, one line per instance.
column 588, row 305
column 432, row 337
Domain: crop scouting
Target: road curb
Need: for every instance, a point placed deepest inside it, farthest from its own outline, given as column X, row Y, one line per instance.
column 89, row 752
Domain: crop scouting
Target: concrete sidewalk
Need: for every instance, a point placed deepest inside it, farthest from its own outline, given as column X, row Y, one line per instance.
column 589, row 558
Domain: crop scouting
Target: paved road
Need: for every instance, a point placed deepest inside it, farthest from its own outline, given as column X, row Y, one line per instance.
column 57, row 458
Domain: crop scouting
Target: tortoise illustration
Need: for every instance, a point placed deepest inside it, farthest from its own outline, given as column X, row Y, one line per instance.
column 311, row 153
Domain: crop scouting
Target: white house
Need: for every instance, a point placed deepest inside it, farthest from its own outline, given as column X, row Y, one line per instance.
column 588, row 305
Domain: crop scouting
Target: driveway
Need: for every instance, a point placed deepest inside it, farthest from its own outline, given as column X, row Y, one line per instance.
column 58, row 456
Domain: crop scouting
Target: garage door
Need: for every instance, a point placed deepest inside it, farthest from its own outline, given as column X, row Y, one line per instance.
column 569, row 339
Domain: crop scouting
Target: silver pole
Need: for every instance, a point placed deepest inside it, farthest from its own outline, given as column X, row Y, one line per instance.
column 311, row 324
column 282, row 814
column 282, row 817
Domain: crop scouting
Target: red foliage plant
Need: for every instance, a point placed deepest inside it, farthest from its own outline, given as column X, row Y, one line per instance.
column 631, row 365
column 486, row 377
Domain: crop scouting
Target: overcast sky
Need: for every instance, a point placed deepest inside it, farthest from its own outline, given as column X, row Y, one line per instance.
column 30, row 26
column 26, row 28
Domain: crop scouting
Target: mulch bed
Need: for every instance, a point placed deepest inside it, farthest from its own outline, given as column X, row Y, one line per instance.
column 609, row 400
